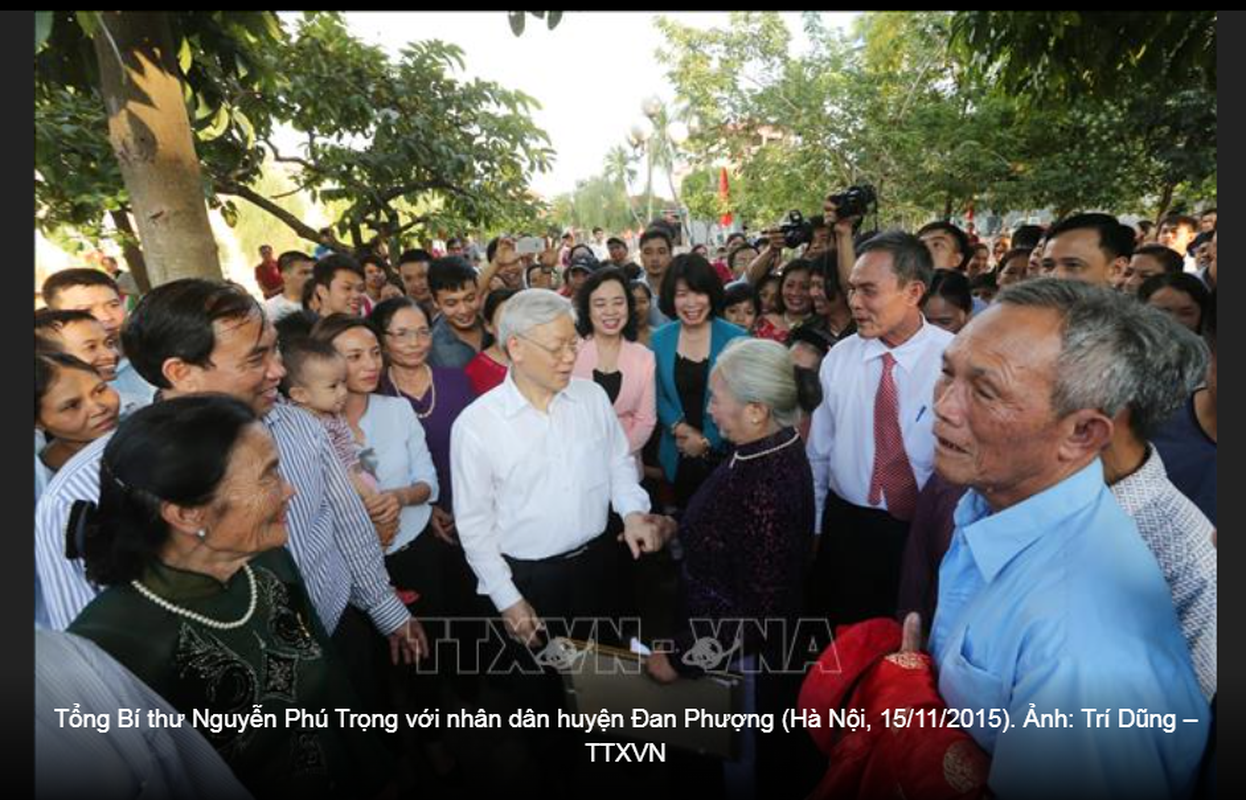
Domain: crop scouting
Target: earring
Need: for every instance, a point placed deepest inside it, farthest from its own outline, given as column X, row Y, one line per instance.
column 202, row 534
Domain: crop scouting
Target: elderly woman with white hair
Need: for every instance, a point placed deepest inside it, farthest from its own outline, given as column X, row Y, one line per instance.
column 748, row 529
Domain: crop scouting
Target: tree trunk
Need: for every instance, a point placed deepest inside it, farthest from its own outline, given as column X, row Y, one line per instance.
column 130, row 249
column 151, row 136
column 1165, row 201
column 947, row 207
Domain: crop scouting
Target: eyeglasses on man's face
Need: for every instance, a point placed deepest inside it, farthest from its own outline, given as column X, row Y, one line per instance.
column 565, row 349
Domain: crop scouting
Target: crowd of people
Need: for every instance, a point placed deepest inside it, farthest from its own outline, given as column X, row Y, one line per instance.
column 292, row 502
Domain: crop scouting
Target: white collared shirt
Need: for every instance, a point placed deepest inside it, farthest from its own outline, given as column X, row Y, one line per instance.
column 841, row 435
column 531, row 485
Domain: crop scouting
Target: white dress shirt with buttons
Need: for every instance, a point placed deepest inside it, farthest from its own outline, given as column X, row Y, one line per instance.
column 531, row 485
column 841, row 435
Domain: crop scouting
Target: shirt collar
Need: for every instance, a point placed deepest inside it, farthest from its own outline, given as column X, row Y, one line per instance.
column 994, row 539
column 906, row 355
column 173, row 584
column 513, row 401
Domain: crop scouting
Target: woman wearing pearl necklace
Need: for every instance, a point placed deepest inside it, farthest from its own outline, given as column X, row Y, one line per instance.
column 206, row 606
column 746, row 534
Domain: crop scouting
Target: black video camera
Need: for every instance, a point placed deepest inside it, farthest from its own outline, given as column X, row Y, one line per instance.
column 855, row 201
column 796, row 230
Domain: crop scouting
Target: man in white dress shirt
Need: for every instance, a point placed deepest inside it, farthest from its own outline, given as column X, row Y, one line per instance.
column 536, row 464
column 870, row 442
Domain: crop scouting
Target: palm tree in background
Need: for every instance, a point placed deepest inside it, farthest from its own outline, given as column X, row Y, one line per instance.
column 619, row 169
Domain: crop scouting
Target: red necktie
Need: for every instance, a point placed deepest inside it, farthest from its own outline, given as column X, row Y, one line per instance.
column 893, row 475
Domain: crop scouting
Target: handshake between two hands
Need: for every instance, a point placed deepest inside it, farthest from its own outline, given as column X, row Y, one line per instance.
column 647, row 533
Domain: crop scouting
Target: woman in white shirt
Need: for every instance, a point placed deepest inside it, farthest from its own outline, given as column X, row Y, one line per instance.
column 397, row 454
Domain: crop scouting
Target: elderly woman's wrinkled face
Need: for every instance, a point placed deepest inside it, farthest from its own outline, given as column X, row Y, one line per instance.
column 730, row 415
column 994, row 427
column 247, row 515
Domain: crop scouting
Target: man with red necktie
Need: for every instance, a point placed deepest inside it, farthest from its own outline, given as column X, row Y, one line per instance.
column 870, row 442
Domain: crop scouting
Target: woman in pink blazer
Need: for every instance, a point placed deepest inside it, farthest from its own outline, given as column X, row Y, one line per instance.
column 610, row 356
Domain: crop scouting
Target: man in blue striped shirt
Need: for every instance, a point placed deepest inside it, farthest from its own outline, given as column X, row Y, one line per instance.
column 194, row 336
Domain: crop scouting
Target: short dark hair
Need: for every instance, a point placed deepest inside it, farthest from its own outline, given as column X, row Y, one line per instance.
column 739, row 292
column 1180, row 220
column 496, row 298
column 58, row 282
column 50, row 321
column 296, row 355
column 825, row 265
column 331, row 265
column 1182, row 282
column 654, row 232
column 1167, row 257
column 293, row 327
column 372, row 257
column 48, row 365
column 450, row 274
column 962, row 238
column 983, row 280
column 1026, row 237
column 1016, row 252
column 811, row 335
column 527, row 273
column 583, row 305
column 289, row 258
column 491, row 248
column 1115, row 239
column 769, row 277
column 384, row 311
column 329, row 328
column 953, row 287
column 309, row 292
column 175, row 451
column 414, row 256
column 910, row 259
column 177, row 320
column 695, row 271
column 598, row 230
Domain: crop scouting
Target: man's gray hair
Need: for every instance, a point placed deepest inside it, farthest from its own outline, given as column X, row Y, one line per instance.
column 1115, row 352
column 529, row 309
column 761, row 371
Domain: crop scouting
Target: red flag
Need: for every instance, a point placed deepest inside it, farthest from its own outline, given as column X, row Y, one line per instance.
column 724, row 193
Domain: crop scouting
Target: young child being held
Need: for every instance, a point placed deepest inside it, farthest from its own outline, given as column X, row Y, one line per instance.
column 316, row 382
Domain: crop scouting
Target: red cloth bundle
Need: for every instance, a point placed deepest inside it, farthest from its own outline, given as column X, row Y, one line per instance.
column 863, row 671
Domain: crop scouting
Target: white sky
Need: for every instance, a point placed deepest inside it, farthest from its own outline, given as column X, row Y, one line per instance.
column 590, row 74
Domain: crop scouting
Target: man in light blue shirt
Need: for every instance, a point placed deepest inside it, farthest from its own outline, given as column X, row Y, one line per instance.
column 1049, row 599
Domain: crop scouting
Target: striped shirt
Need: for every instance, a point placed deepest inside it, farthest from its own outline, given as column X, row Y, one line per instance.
column 331, row 537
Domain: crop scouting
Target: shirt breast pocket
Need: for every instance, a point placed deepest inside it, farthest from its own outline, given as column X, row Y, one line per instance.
column 965, row 685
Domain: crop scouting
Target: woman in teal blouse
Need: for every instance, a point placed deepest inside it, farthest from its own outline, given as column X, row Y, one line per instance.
column 686, row 351
column 206, row 606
